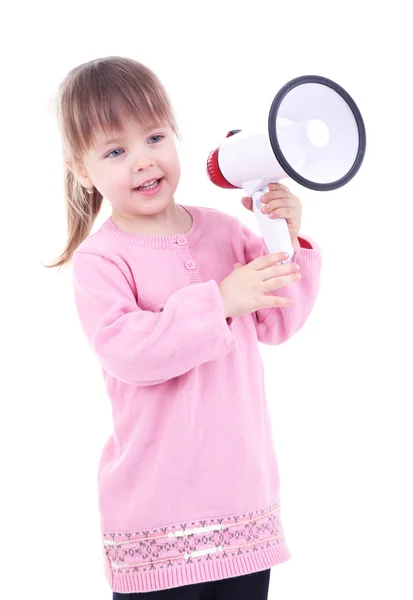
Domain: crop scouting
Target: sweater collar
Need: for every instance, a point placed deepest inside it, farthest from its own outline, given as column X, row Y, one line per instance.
column 166, row 241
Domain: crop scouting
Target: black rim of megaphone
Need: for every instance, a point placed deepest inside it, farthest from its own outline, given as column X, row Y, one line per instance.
column 272, row 130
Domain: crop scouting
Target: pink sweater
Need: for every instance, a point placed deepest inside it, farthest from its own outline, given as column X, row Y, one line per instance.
column 188, row 483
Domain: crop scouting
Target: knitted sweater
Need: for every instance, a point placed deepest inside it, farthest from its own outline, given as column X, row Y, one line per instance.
column 188, row 485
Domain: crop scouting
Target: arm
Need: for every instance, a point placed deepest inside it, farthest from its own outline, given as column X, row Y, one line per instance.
column 142, row 347
column 276, row 325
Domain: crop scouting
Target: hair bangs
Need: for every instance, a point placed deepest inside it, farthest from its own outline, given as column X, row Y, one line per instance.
column 103, row 99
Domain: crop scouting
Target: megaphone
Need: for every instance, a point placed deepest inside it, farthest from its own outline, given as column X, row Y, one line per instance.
column 315, row 135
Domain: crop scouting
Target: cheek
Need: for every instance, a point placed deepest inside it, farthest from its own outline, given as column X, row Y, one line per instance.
column 170, row 162
column 175, row 169
column 111, row 178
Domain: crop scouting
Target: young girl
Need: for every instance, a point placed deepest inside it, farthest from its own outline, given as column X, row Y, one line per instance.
column 173, row 300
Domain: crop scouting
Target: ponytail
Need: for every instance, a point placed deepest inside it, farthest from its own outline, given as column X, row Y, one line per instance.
column 82, row 208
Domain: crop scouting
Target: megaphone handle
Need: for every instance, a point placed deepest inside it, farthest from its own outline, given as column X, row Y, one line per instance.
column 274, row 231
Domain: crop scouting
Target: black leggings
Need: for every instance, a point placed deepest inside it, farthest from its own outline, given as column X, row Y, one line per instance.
column 245, row 587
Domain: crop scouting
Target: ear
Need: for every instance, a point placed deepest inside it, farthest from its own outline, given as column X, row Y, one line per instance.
column 80, row 173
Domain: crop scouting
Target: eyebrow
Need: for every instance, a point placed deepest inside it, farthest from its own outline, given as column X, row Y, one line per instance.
column 117, row 140
column 108, row 143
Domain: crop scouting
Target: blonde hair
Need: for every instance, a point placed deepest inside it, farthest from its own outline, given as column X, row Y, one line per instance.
column 101, row 94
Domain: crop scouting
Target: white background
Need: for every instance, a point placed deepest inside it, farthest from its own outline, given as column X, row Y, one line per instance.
column 339, row 390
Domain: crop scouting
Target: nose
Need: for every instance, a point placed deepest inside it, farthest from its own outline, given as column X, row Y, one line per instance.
column 142, row 162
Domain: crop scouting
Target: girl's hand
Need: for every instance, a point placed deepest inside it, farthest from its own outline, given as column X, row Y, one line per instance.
column 246, row 289
column 281, row 203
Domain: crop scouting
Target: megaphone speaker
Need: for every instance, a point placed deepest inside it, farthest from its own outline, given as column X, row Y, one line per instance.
column 316, row 136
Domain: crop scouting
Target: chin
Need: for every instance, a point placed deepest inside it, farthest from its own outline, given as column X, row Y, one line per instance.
column 155, row 205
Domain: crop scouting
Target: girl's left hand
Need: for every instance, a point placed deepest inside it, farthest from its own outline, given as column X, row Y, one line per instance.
column 281, row 203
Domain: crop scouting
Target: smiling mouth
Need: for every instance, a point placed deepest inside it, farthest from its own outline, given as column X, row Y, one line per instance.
column 152, row 186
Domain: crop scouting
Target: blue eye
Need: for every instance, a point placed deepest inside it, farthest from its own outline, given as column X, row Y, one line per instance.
column 117, row 150
column 157, row 136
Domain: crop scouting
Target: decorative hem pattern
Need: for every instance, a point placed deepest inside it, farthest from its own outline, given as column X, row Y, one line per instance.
column 194, row 552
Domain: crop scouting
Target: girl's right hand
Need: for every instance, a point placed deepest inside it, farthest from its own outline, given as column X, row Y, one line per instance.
column 244, row 290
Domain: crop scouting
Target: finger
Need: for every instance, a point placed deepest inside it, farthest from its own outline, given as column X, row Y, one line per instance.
column 276, row 283
column 282, row 203
column 277, row 186
column 277, row 195
column 282, row 213
column 279, row 271
column 276, row 301
column 247, row 202
column 267, row 260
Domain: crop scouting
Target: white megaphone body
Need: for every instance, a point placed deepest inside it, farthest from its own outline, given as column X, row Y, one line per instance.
column 315, row 135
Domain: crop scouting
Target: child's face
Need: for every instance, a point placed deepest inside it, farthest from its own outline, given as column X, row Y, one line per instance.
column 136, row 156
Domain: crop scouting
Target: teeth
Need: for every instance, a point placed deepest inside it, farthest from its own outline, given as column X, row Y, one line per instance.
column 151, row 184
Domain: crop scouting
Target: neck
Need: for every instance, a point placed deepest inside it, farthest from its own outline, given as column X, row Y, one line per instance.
column 172, row 220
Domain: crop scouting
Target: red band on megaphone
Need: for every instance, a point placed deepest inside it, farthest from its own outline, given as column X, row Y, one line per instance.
column 214, row 172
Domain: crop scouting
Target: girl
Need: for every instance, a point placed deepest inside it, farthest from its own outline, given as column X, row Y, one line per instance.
column 173, row 300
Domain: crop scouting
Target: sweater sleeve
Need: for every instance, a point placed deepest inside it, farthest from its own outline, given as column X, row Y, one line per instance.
column 141, row 347
column 276, row 325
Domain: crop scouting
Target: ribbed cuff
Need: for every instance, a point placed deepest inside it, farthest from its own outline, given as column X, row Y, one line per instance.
column 226, row 323
column 307, row 254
